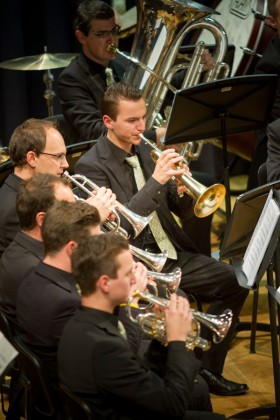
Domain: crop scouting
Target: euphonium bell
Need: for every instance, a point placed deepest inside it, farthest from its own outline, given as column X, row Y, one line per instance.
column 86, row 185
column 208, row 199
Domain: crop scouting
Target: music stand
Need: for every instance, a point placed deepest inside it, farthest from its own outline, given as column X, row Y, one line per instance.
column 219, row 108
column 251, row 203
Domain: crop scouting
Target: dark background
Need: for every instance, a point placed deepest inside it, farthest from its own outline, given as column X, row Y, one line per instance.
column 26, row 26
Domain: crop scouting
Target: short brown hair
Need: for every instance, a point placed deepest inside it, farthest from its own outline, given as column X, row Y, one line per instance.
column 29, row 136
column 35, row 195
column 91, row 9
column 94, row 257
column 66, row 222
column 116, row 92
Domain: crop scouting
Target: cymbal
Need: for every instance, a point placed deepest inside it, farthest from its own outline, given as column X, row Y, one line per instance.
column 44, row 61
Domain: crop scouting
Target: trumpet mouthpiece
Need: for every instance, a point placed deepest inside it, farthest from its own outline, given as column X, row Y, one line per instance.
column 112, row 48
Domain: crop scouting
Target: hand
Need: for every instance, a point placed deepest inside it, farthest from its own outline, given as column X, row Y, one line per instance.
column 103, row 199
column 166, row 166
column 208, row 61
column 140, row 280
column 178, row 319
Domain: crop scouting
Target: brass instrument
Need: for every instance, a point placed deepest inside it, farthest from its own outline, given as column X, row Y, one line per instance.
column 218, row 324
column 87, row 186
column 208, row 199
column 162, row 26
column 170, row 281
column 4, row 154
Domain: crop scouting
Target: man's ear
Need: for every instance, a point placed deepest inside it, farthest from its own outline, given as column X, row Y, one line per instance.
column 272, row 21
column 70, row 246
column 31, row 159
column 107, row 121
column 80, row 36
column 39, row 218
column 104, row 283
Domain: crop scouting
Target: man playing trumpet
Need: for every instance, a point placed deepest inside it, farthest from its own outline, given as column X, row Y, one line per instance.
column 106, row 164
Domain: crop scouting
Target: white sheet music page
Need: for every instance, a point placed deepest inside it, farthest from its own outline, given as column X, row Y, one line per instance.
column 260, row 239
column 7, row 353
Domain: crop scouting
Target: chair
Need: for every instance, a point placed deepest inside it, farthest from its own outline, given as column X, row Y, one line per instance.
column 38, row 390
column 73, row 406
column 13, row 367
column 75, row 151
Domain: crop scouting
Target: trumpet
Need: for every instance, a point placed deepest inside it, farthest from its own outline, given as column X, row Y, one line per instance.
column 208, row 199
column 170, row 281
column 138, row 222
column 218, row 324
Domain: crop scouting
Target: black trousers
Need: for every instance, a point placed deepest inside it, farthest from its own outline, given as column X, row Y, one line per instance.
column 215, row 283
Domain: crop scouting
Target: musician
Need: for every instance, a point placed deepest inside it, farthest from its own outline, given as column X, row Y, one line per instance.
column 81, row 84
column 269, row 63
column 124, row 113
column 36, row 146
column 94, row 360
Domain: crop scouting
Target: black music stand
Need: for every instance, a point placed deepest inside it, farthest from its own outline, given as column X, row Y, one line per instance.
column 252, row 203
column 219, row 108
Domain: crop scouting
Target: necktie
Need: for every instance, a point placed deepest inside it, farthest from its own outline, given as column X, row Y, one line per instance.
column 121, row 330
column 155, row 224
column 109, row 76
column 119, row 6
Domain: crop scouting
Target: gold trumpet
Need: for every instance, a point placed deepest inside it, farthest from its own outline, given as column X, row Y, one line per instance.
column 208, row 199
column 218, row 324
column 138, row 222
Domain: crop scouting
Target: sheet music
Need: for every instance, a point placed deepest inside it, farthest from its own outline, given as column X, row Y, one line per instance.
column 260, row 239
column 7, row 353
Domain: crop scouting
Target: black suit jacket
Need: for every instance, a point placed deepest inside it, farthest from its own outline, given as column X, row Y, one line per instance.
column 80, row 88
column 101, row 166
column 17, row 261
column 9, row 223
column 273, row 151
column 96, row 363
column 46, row 300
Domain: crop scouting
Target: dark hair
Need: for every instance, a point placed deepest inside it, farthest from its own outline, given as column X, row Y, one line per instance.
column 35, row 195
column 91, row 9
column 114, row 93
column 29, row 136
column 94, row 257
column 271, row 8
column 66, row 222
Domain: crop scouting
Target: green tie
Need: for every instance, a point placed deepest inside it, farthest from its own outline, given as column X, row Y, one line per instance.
column 109, row 76
column 122, row 331
column 155, row 224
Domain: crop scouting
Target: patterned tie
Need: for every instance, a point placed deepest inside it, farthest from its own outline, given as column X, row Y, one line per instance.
column 119, row 6
column 155, row 224
column 122, row 331
column 109, row 76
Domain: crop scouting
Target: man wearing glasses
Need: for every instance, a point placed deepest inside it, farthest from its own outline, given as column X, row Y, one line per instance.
column 82, row 84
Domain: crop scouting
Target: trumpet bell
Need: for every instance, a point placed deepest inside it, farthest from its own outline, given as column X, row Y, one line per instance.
column 209, row 200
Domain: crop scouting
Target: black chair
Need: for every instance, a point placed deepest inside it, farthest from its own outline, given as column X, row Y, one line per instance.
column 39, row 395
column 73, row 407
column 13, row 368
column 75, row 151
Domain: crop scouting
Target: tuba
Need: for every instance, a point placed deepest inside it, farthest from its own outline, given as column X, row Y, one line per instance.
column 161, row 28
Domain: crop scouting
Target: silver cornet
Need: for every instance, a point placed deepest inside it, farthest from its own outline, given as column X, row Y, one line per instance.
column 138, row 222
column 170, row 281
column 218, row 324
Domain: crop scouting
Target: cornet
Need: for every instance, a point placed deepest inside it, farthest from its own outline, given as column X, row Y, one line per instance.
column 138, row 222
column 207, row 199
column 170, row 281
column 218, row 324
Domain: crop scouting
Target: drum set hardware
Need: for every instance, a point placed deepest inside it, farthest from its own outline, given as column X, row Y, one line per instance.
column 45, row 62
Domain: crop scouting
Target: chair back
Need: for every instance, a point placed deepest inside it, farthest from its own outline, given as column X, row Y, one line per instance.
column 41, row 390
column 73, row 406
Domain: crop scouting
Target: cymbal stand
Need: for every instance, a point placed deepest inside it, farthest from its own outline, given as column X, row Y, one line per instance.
column 49, row 93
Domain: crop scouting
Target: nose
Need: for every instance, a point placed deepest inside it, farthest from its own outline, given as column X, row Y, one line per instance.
column 65, row 164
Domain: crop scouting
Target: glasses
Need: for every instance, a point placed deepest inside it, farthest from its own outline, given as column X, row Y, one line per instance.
column 106, row 34
column 60, row 157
